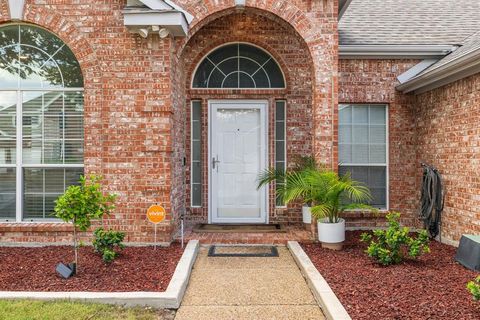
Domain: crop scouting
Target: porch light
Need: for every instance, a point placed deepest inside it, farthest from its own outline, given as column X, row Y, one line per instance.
column 163, row 33
column 143, row 32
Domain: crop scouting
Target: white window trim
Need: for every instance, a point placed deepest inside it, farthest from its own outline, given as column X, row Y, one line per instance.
column 387, row 150
column 191, row 156
column 19, row 165
column 284, row 141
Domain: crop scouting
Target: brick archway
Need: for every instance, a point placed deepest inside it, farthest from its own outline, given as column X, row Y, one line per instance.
column 288, row 48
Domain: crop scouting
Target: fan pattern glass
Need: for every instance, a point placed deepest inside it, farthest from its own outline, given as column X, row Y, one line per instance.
column 238, row 66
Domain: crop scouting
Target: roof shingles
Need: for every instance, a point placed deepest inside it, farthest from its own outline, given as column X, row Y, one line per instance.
column 409, row 22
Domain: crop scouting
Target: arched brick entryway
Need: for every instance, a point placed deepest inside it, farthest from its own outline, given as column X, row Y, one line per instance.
column 276, row 36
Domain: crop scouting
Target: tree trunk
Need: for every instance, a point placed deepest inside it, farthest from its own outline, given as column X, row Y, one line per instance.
column 75, row 246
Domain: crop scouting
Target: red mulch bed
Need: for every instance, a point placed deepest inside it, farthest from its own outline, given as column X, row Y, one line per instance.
column 136, row 269
column 432, row 287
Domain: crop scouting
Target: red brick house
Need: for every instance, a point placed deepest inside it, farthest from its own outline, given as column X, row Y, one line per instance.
column 157, row 95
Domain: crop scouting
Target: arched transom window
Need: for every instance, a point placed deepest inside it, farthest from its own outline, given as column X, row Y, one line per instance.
column 236, row 66
column 41, row 121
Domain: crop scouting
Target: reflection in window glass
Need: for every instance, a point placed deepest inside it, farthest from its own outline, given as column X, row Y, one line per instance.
column 33, row 58
column 238, row 66
column 41, row 112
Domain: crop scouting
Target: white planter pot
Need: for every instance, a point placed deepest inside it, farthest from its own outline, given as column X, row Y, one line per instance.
column 331, row 233
column 307, row 214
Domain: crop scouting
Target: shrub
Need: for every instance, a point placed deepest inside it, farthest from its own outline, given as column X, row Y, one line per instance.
column 80, row 204
column 387, row 246
column 106, row 241
column 474, row 288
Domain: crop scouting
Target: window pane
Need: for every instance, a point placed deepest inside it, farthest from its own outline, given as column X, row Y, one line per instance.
column 8, row 128
column 7, row 193
column 362, row 140
column 196, row 154
column 31, row 57
column 238, row 66
column 280, row 141
column 345, row 114
column 375, row 178
column 360, row 114
column 43, row 186
column 9, row 51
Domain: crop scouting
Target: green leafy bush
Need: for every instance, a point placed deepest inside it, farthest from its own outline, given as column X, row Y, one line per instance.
column 80, row 204
column 106, row 241
column 388, row 246
column 474, row 288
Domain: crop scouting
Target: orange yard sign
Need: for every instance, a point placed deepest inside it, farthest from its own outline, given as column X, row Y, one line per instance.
column 156, row 214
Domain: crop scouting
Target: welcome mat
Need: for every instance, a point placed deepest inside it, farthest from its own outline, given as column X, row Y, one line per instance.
column 239, row 228
column 243, row 251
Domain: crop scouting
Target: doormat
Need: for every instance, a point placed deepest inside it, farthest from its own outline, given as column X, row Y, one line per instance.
column 239, row 228
column 243, row 251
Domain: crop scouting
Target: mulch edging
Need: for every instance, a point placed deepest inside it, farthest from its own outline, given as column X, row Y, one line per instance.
column 431, row 288
column 136, row 269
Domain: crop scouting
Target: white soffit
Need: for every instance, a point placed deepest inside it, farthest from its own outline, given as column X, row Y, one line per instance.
column 148, row 15
column 16, row 9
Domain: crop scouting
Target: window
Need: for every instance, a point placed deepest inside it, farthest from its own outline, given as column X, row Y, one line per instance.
column 196, row 154
column 238, row 66
column 41, row 121
column 362, row 147
column 280, row 142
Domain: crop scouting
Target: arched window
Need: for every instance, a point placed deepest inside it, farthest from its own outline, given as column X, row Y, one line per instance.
column 41, row 121
column 238, row 66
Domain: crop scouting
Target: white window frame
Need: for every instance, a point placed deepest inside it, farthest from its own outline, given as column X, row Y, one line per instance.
column 387, row 149
column 284, row 143
column 19, row 165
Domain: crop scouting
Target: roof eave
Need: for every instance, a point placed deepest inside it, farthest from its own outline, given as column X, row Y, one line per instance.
column 173, row 20
column 342, row 7
column 394, row 51
column 455, row 70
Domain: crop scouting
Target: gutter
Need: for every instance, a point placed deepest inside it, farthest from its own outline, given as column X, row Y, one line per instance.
column 454, row 70
column 394, row 51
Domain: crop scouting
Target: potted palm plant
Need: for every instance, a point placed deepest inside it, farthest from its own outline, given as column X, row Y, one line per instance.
column 329, row 194
column 301, row 165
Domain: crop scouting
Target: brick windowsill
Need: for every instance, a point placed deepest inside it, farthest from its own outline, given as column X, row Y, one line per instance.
column 35, row 227
column 365, row 214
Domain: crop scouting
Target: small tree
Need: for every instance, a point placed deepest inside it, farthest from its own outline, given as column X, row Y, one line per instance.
column 81, row 204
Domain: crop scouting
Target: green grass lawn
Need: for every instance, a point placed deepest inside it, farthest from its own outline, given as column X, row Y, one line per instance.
column 37, row 310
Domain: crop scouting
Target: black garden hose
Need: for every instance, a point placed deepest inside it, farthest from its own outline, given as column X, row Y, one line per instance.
column 432, row 200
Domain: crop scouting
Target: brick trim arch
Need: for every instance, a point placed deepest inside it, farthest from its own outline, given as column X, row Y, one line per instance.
column 287, row 10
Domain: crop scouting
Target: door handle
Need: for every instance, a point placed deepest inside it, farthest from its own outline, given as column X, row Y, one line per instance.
column 214, row 162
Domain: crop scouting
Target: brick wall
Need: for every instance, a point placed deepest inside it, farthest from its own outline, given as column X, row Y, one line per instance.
column 135, row 112
column 128, row 113
column 447, row 121
column 374, row 81
column 290, row 51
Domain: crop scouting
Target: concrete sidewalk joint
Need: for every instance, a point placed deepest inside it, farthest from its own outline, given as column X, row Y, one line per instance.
column 171, row 298
column 331, row 306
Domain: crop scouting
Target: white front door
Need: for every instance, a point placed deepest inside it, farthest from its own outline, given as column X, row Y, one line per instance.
column 237, row 150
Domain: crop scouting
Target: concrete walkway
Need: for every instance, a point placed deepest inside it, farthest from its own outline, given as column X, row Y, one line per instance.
column 247, row 288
